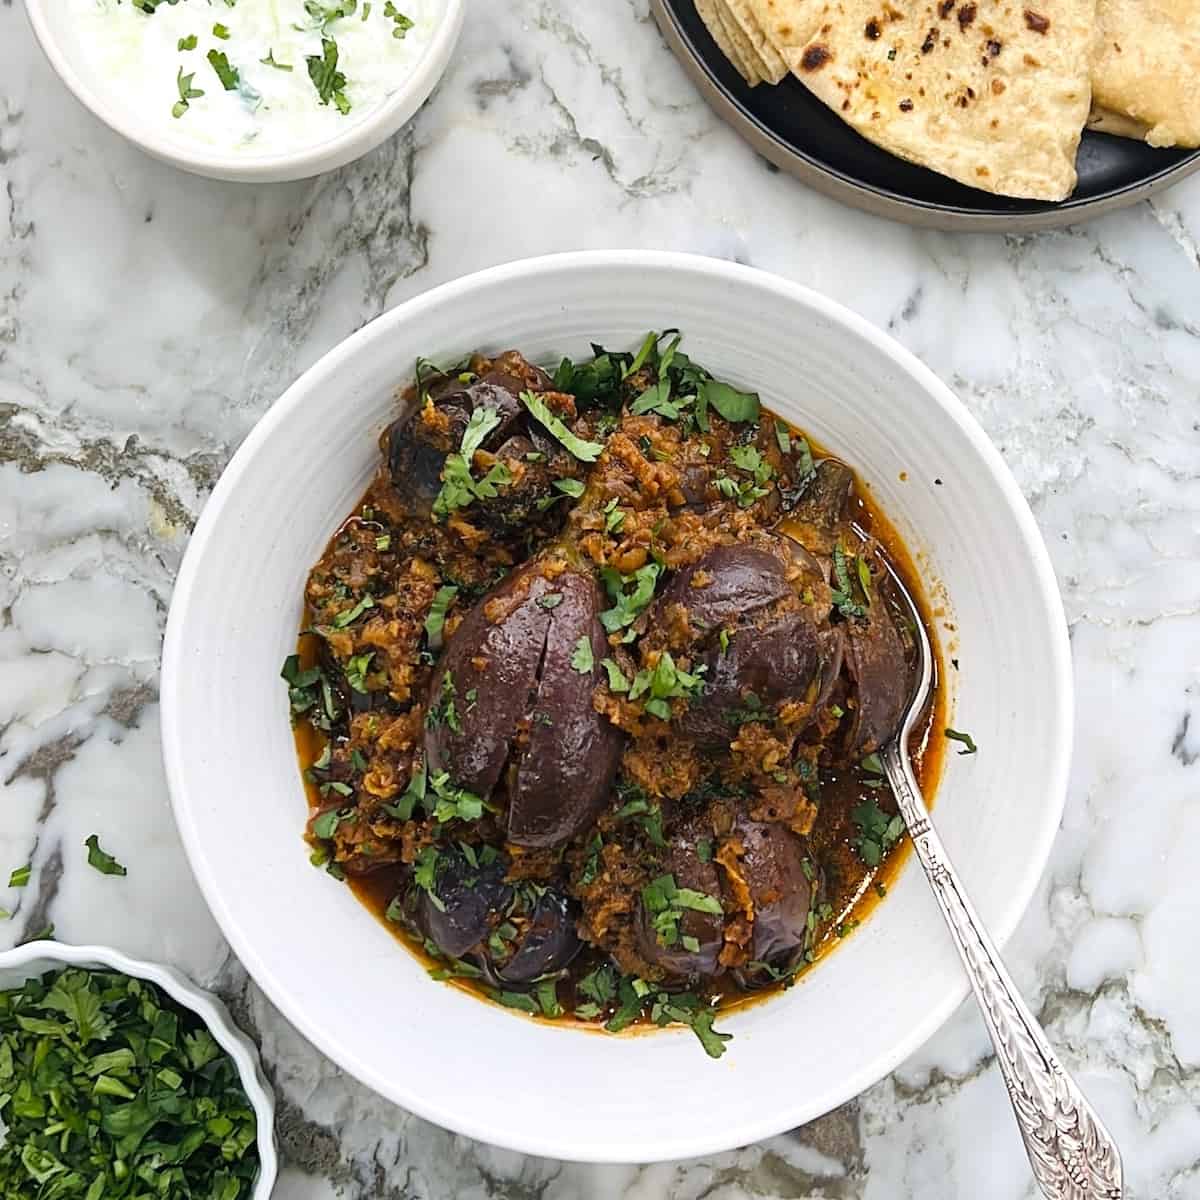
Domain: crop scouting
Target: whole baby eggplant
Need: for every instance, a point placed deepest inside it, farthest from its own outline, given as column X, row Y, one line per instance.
column 469, row 900
column 522, row 711
column 772, row 864
column 758, row 641
column 547, row 944
column 416, row 451
column 463, row 906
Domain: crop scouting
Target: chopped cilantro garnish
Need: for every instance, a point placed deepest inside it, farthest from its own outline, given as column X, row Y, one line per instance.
column 104, row 863
column 645, row 814
column 843, row 593
column 664, row 682
column 583, row 659
column 704, row 850
column 350, row 615
column 547, row 997
column 221, row 31
column 730, row 403
column 425, row 875
column 186, row 92
column 225, row 73
column 459, row 486
column 965, row 738
column 665, row 903
column 878, row 831
column 186, row 43
column 326, row 78
column 435, row 622
column 616, row 677
column 401, row 23
column 356, row 670
column 628, row 605
column 413, row 795
column 20, row 876
column 711, row 1039
column 550, row 600
column 572, row 487
column 783, row 438
column 583, row 450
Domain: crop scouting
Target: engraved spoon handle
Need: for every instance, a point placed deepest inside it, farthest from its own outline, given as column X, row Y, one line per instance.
column 1072, row 1155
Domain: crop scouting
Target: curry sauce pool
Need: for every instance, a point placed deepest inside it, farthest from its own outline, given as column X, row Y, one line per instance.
column 591, row 686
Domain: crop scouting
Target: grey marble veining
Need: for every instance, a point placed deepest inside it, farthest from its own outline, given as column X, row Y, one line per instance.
column 147, row 319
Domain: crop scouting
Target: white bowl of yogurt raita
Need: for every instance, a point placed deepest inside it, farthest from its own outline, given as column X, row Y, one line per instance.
column 254, row 90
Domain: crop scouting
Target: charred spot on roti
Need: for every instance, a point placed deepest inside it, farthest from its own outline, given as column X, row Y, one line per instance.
column 966, row 15
column 945, row 8
column 815, row 57
column 998, row 87
column 906, row 106
column 930, row 41
column 872, row 30
column 1036, row 21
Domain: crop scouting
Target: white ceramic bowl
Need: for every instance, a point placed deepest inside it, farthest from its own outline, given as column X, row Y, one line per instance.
column 59, row 38
column 340, row 976
column 36, row 958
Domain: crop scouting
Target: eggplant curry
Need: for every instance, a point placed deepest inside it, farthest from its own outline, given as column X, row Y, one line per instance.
column 591, row 686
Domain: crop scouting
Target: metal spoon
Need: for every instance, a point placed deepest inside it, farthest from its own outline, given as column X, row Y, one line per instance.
column 1072, row 1155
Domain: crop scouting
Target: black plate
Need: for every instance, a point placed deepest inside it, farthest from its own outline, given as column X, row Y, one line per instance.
column 794, row 130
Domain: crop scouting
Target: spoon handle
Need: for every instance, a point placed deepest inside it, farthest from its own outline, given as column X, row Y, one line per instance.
column 1072, row 1155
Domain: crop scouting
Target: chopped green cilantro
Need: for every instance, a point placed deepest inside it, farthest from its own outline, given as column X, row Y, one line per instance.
column 583, row 450
column 221, row 31
column 20, row 876
column 435, row 622
column 965, row 738
column 104, row 863
column 326, row 78
column 228, row 75
column 878, row 831
column 356, row 670
column 186, row 43
column 628, row 605
column 350, row 615
column 731, row 404
column 186, row 92
column 583, row 659
column 616, row 677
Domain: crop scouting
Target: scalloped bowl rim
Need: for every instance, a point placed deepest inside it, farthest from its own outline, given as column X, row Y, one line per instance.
column 184, row 992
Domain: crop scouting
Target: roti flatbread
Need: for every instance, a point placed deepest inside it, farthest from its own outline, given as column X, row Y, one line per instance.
column 710, row 13
column 770, row 62
column 1146, row 72
column 993, row 93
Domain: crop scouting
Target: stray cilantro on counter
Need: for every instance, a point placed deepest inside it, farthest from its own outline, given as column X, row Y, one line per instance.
column 104, row 863
column 20, row 877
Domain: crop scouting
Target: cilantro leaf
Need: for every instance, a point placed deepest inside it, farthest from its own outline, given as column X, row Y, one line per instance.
column 583, row 659
column 228, row 75
column 104, row 863
column 730, row 403
column 965, row 738
column 583, row 450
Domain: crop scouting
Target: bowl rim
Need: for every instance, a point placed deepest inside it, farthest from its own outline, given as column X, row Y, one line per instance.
column 205, row 1005
column 362, row 136
column 756, row 1126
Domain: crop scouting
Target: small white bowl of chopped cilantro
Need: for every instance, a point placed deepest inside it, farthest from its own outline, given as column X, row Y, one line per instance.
column 259, row 90
column 113, row 1069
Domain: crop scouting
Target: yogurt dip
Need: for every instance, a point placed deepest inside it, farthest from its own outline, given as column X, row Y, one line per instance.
column 253, row 77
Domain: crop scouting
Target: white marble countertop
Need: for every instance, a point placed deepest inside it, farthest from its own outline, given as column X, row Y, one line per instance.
column 147, row 319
